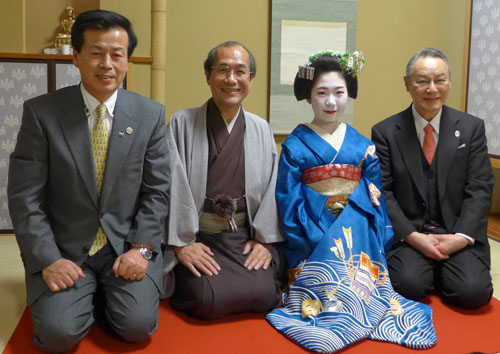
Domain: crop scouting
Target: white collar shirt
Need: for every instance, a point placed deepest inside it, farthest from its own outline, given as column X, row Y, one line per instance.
column 91, row 104
column 230, row 125
column 421, row 122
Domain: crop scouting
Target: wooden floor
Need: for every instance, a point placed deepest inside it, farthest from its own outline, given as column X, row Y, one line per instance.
column 494, row 226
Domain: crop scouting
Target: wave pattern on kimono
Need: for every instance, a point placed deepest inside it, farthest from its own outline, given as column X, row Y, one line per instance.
column 343, row 293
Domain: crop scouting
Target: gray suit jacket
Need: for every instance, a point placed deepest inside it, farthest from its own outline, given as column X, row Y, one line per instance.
column 464, row 175
column 52, row 187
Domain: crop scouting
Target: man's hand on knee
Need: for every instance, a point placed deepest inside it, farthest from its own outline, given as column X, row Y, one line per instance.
column 131, row 265
column 61, row 274
column 450, row 243
column 426, row 244
column 260, row 255
column 197, row 256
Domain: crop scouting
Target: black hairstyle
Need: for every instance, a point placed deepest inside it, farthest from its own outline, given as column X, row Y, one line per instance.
column 324, row 63
column 209, row 62
column 426, row 53
column 101, row 20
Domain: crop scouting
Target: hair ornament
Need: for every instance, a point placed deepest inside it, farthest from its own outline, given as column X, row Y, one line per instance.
column 306, row 71
column 351, row 63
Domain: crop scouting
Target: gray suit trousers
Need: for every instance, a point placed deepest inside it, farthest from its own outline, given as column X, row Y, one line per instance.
column 130, row 308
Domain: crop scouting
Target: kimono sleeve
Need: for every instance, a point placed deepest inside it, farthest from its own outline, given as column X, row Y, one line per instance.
column 300, row 210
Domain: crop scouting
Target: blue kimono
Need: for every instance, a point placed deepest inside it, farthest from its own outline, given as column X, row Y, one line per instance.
column 343, row 292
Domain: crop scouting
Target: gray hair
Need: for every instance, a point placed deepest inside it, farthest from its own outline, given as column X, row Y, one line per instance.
column 425, row 53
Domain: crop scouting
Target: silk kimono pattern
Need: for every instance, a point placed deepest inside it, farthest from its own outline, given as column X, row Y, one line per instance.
column 343, row 293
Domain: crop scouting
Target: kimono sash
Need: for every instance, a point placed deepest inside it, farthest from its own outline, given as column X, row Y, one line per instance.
column 337, row 181
column 319, row 173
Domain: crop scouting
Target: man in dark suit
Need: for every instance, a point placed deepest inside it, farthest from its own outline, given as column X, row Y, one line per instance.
column 438, row 183
column 87, row 195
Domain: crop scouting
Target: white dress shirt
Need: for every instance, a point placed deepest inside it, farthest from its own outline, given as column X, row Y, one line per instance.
column 91, row 104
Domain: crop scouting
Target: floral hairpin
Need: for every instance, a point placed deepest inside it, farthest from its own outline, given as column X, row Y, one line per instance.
column 351, row 63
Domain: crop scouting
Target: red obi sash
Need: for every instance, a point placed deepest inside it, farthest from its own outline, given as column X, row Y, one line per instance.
column 319, row 173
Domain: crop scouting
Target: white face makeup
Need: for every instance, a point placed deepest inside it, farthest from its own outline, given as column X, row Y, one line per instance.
column 328, row 98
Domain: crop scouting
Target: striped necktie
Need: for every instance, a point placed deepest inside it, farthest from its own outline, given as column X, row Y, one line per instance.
column 99, row 148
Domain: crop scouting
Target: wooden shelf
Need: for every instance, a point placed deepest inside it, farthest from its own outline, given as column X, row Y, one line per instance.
column 495, row 161
column 494, row 226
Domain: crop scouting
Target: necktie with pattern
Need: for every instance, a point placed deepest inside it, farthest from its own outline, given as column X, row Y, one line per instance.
column 429, row 144
column 99, row 148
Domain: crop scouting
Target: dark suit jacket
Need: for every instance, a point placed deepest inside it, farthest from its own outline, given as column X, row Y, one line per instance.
column 52, row 187
column 464, row 175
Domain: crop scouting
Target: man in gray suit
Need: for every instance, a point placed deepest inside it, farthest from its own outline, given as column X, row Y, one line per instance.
column 87, row 191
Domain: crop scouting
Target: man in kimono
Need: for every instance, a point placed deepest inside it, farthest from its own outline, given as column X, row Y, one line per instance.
column 223, row 221
column 438, row 183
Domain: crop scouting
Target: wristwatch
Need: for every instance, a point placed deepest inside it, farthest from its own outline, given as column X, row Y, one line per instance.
column 145, row 251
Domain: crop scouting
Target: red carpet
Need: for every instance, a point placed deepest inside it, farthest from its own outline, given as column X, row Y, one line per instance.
column 458, row 331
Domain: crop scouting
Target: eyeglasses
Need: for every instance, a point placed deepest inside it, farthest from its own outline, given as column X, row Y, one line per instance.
column 425, row 83
column 225, row 71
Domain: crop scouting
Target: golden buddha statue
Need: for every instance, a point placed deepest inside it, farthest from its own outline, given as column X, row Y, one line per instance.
column 64, row 37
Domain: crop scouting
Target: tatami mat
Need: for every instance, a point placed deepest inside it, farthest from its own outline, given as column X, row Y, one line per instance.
column 12, row 291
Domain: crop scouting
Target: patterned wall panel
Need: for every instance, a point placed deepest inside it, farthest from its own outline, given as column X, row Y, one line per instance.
column 20, row 81
column 66, row 75
column 484, row 69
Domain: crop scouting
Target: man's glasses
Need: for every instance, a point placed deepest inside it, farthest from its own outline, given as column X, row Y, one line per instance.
column 225, row 71
column 424, row 83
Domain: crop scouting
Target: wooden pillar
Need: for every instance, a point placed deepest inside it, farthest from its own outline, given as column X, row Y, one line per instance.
column 158, row 49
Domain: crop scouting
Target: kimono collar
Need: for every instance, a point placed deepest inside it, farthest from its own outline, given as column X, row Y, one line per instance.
column 321, row 148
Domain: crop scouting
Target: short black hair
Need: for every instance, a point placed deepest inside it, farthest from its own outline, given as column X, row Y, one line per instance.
column 324, row 63
column 209, row 62
column 101, row 20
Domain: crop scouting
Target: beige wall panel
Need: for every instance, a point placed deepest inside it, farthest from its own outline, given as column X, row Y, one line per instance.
column 141, row 74
column 43, row 20
column 194, row 27
column 139, row 13
column 453, row 46
column 389, row 32
column 11, row 26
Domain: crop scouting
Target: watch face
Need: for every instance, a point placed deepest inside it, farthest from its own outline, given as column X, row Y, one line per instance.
column 146, row 253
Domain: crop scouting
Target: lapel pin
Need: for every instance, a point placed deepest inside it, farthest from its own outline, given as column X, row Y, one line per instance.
column 457, row 133
column 120, row 134
column 129, row 130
